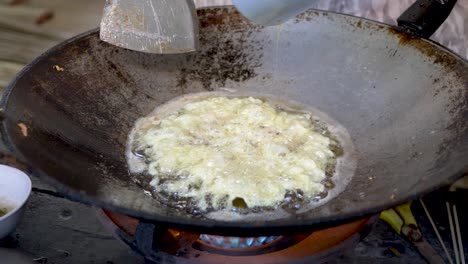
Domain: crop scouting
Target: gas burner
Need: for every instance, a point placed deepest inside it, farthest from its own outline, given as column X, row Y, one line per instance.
column 163, row 245
column 237, row 242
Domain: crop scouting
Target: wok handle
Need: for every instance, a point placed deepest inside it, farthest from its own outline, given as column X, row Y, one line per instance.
column 424, row 17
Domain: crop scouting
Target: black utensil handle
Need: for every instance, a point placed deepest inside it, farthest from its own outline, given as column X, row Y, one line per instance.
column 142, row 241
column 424, row 17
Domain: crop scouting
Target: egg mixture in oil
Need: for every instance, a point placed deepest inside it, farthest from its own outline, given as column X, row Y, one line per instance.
column 222, row 152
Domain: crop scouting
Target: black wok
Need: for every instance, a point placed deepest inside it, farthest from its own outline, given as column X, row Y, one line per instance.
column 403, row 99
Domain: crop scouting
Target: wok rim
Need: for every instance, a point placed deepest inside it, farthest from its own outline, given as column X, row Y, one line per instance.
column 238, row 228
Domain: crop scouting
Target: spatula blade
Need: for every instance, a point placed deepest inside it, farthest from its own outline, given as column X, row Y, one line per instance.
column 153, row 26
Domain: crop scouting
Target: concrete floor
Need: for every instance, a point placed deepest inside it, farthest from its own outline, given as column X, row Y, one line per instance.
column 56, row 230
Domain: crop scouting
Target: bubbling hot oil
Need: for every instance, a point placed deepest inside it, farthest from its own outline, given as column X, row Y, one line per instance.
column 294, row 200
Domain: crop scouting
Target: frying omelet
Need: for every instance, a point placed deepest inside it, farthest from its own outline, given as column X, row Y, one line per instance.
column 220, row 150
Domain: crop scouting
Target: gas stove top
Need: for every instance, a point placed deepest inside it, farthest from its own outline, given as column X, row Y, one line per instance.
column 56, row 230
column 159, row 244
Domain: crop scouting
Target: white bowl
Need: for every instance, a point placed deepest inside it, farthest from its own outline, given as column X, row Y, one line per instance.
column 15, row 187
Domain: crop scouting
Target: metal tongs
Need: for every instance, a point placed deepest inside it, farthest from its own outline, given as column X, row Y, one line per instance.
column 401, row 219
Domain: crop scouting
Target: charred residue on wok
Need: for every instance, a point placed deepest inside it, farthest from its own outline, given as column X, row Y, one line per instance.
column 425, row 47
column 307, row 16
column 223, row 55
column 456, row 131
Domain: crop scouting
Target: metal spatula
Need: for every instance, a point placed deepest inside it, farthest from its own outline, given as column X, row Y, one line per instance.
column 154, row 26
